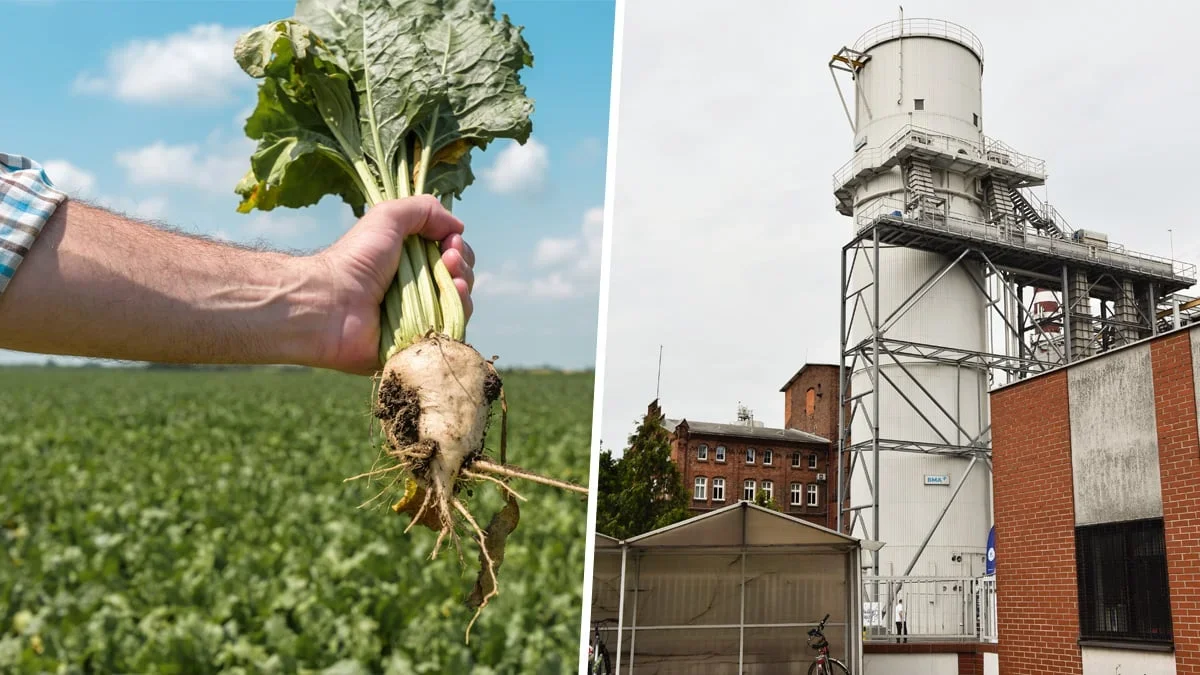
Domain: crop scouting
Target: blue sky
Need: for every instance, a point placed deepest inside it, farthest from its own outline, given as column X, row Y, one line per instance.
column 139, row 105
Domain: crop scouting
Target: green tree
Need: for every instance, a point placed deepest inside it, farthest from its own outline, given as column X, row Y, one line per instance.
column 761, row 499
column 651, row 493
column 608, row 494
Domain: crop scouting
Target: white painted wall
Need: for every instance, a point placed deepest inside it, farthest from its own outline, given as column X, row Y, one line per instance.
column 914, row 664
column 1097, row 661
column 991, row 664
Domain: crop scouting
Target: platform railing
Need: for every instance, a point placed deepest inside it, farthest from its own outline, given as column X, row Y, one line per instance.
column 991, row 150
column 935, row 609
column 919, row 27
column 972, row 227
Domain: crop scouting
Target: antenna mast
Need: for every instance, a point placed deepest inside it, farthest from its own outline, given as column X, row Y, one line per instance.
column 658, row 382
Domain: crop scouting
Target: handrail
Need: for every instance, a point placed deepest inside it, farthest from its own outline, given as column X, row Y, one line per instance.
column 936, row 608
column 920, row 28
column 1048, row 212
column 975, row 227
column 877, row 156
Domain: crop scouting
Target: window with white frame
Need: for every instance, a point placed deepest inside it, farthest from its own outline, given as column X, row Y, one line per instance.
column 768, row 489
column 702, row 452
column 795, row 460
column 812, row 495
column 797, row 494
column 749, row 455
column 748, row 490
column 720, row 453
column 701, row 489
column 768, row 455
column 812, row 461
column 718, row 490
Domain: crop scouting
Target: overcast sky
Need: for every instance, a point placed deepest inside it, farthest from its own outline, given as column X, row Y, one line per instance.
column 725, row 242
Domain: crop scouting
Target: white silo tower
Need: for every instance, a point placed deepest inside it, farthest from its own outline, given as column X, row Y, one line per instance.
column 948, row 287
column 923, row 77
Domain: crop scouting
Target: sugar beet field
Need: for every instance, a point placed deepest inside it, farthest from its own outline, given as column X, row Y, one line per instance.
column 197, row 522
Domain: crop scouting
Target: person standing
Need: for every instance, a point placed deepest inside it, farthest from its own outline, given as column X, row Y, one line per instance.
column 901, row 618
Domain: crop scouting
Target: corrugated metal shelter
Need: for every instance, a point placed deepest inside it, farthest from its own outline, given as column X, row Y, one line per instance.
column 732, row 591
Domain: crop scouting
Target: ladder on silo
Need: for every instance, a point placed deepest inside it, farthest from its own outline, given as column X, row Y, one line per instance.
column 1032, row 216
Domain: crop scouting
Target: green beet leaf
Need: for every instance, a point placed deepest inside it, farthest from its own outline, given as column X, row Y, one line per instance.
column 373, row 100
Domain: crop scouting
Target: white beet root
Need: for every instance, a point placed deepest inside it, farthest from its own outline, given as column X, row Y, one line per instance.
column 434, row 402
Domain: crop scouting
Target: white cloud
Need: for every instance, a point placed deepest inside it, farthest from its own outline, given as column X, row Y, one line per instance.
column 150, row 208
column 498, row 283
column 553, row 251
column 554, row 286
column 214, row 166
column 570, row 266
column 518, row 169
column 278, row 225
column 70, row 178
column 593, row 233
column 81, row 184
column 194, row 66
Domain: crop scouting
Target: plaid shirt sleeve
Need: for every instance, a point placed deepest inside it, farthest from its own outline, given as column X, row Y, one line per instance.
column 27, row 200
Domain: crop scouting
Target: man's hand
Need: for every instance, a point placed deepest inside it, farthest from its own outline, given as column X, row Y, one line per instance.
column 360, row 267
column 96, row 284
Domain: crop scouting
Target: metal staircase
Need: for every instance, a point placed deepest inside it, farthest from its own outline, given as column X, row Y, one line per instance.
column 1031, row 215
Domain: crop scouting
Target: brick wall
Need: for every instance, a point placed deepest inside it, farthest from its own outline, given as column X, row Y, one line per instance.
column 970, row 664
column 735, row 470
column 823, row 421
column 823, row 380
column 1179, row 469
column 1035, row 566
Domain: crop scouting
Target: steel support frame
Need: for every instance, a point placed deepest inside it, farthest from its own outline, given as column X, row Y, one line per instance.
column 1003, row 291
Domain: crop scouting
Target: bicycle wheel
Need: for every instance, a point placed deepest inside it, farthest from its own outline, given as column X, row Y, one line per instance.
column 831, row 667
column 603, row 666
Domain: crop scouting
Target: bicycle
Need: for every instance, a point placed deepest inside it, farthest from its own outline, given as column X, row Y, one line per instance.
column 823, row 664
column 599, row 662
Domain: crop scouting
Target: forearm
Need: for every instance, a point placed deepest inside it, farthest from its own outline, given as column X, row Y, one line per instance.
column 96, row 284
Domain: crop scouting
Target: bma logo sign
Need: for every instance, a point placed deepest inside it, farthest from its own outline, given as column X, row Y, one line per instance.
column 937, row 480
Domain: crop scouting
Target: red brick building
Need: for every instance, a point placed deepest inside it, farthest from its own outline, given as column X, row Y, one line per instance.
column 1103, row 575
column 796, row 465
column 724, row 463
column 810, row 401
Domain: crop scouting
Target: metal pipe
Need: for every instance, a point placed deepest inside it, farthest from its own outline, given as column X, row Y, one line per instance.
column 1153, row 302
column 637, row 585
column 621, row 609
column 875, row 394
column 742, row 620
column 1066, row 309
column 842, row 394
column 842, row 98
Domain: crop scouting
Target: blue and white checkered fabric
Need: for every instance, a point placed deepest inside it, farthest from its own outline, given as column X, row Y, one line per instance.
column 27, row 200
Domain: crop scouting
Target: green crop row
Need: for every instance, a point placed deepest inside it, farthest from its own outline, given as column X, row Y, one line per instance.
column 198, row 522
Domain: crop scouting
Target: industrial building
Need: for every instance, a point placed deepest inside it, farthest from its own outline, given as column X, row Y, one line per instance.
column 957, row 278
column 1104, row 575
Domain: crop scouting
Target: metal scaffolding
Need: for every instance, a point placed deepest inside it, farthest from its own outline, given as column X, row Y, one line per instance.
column 1105, row 297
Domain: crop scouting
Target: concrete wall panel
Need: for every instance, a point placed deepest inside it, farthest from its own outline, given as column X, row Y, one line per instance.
column 1097, row 661
column 1114, row 438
